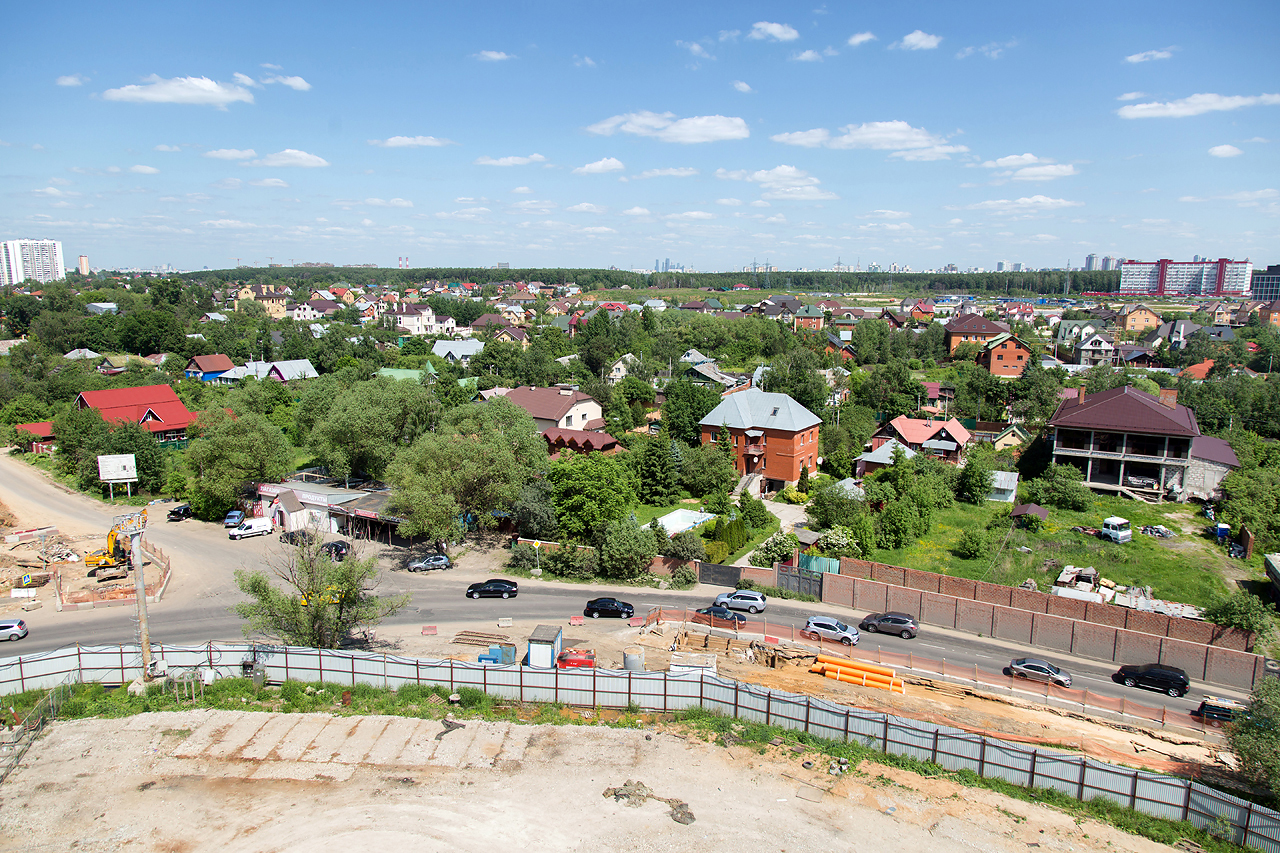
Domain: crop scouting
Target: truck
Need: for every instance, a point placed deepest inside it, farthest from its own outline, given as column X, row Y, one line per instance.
column 1116, row 529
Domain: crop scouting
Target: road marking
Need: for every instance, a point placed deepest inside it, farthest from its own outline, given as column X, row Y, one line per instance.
column 930, row 646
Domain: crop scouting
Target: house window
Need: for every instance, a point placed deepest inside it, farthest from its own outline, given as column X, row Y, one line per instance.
column 568, row 420
column 1000, row 357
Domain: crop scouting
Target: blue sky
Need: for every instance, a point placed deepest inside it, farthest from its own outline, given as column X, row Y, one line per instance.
column 599, row 134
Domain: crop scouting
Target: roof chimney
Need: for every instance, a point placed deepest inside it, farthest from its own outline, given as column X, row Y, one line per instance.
column 1080, row 394
column 1169, row 397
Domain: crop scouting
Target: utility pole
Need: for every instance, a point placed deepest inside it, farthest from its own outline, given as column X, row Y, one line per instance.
column 133, row 524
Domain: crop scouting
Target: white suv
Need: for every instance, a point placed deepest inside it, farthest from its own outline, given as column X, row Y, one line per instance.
column 830, row 628
column 742, row 599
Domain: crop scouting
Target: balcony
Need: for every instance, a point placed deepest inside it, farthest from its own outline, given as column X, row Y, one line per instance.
column 754, row 448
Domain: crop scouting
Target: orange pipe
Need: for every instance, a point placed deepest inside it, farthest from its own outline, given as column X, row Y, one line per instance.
column 855, row 664
column 893, row 685
column 860, row 677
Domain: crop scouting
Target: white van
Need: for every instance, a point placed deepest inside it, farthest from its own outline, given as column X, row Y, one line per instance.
column 252, row 527
column 1116, row 529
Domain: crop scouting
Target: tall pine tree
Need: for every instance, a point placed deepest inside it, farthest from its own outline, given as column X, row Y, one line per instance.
column 659, row 476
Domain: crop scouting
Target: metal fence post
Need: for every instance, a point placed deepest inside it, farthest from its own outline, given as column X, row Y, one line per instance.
column 885, row 739
column 1133, row 791
column 1035, row 753
column 1186, row 803
column 934, row 757
column 522, row 685
column 1084, row 763
column 808, row 707
column 735, row 700
column 846, row 724
column 982, row 759
column 1248, row 818
column 768, row 704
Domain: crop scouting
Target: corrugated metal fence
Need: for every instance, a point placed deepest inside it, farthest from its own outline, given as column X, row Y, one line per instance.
column 1079, row 777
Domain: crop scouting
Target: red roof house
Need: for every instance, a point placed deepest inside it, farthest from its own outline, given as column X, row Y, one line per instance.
column 156, row 407
column 944, row 439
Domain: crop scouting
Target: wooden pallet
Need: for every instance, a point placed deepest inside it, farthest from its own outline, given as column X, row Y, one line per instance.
column 480, row 638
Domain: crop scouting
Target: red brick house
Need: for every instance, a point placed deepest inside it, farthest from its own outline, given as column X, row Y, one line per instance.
column 1005, row 355
column 156, row 407
column 971, row 328
column 772, row 435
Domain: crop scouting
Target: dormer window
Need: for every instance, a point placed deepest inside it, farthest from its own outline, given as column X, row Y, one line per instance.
column 774, row 414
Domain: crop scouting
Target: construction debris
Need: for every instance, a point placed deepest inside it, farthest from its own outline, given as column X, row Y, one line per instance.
column 636, row 794
column 480, row 638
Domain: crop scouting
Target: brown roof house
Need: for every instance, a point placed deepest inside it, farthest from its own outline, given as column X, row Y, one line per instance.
column 1128, row 441
column 561, row 407
column 971, row 328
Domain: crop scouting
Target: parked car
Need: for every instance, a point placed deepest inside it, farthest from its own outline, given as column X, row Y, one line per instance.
column 1035, row 669
column 902, row 624
column 710, row 615
column 431, row 561
column 1217, row 712
column 298, row 537
column 1155, row 676
column 743, row 599
column 234, row 518
column 598, row 607
column 495, row 588
column 13, row 629
column 252, row 527
column 337, row 550
column 830, row 628
column 180, row 512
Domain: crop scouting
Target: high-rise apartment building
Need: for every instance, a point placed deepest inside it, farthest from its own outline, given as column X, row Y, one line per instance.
column 1001, row 266
column 1018, row 267
column 24, row 259
column 1222, row 277
column 1091, row 263
column 84, row 265
column 1266, row 284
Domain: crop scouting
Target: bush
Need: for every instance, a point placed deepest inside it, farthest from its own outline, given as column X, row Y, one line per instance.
column 973, row 544
column 686, row 545
column 523, row 556
column 840, row 541
column 717, row 502
column 684, row 577
column 1061, row 486
column 777, row 548
column 754, row 512
column 570, row 563
column 792, row 495
column 1244, row 610
column 718, row 552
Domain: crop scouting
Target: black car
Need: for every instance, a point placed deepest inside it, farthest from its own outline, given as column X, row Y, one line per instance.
column 496, row 588
column 598, row 607
column 180, row 512
column 709, row 615
column 1155, row 676
column 298, row 537
column 337, row 551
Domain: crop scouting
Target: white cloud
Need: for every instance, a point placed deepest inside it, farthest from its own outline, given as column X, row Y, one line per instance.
column 885, row 214
column 694, row 48
column 54, row 192
column 228, row 184
column 1014, row 161
column 113, row 169
column 231, row 154
column 586, row 60
column 522, row 190
column 776, row 32
column 1131, row 96
column 1032, row 204
column 635, row 211
column 246, row 80
column 492, row 56
column 180, row 90
column 1225, row 151
column 742, row 87
column 598, row 229
column 689, row 216
column 917, row 40
column 510, row 161
column 1045, row 172
column 729, row 202
column 990, row 50
column 599, row 167
column 227, row 223
column 62, row 182
column 290, row 157
column 269, row 182
column 585, row 207
column 72, row 80
column 906, row 142
column 1245, row 198
column 395, row 202
column 861, row 38
column 667, row 128
column 730, row 35
column 169, row 148
column 776, row 219
column 532, row 205
column 786, row 183
column 807, row 56
column 144, row 170
column 677, row 172
column 758, row 203
column 411, row 142
column 469, row 214
column 295, row 83
column 1148, row 55
column 1196, row 105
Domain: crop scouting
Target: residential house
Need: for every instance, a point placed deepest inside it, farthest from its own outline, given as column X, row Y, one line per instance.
column 772, row 435
column 656, row 304
column 880, row 457
column 1270, row 313
column 1004, row 487
column 1243, row 312
column 1131, row 355
column 1097, row 348
column 513, row 335
column 1125, row 439
column 1174, row 334
column 781, row 313
column 1104, row 315
column 579, row 441
column 1197, row 372
column 621, row 368
column 709, row 375
column 971, row 328
column 402, row 373
column 325, row 295
column 1221, row 312
column 213, row 317
column 319, row 308
column 457, row 352
column 922, row 313
column 1212, row 459
column 560, row 406
column 279, row 371
column 484, row 321
column 113, row 365
column 692, row 356
column 415, row 319
column 1069, row 333
column 1137, row 318
column 272, row 301
column 1022, row 312
column 810, row 317
column 1005, row 355
column 840, row 342
column 946, row 440
column 830, row 305
column 83, row 354
column 98, row 308
column 1220, row 334
column 156, row 407
column 207, row 368
column 896, row 320
column 1014, row 435
column 35, row 437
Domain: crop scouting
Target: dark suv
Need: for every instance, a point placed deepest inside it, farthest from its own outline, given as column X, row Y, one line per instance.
column 1155, row 676
column 902, row 624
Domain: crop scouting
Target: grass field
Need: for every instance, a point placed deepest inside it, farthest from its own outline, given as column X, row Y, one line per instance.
column 1188, row 568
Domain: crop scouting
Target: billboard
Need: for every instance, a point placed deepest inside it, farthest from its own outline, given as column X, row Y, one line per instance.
column 120, row 468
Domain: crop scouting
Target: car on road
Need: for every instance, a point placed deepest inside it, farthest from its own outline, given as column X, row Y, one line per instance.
column 429, row 562
column 598, row 607
column 1035, row 669
column 715, row 614
column 299, row 537
column 830, row 628
column 902, row 624
column 13, row 629
column 493, row 588
column 180, row 512
column 743, row 599
column 234, row 518
column 1154, row 676
column 337, row 550
column 1217, row 712
column 252, row 527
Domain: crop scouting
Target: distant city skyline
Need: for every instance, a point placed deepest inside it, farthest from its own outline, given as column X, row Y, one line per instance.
column 911, row 135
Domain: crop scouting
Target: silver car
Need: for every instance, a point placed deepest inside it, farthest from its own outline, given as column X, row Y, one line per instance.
column 743, row 599
column 1035, row 669
column 830, row 628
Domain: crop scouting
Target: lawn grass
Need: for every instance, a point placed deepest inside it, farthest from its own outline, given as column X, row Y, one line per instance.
column 1184, row 569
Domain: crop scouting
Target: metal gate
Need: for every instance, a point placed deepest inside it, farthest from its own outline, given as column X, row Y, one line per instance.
column 715, row 573
column 799, row 580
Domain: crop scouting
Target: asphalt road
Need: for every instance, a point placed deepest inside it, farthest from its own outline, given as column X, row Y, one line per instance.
column 198, row 606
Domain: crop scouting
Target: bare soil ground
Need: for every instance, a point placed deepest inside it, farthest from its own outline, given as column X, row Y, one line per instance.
column 182, row 782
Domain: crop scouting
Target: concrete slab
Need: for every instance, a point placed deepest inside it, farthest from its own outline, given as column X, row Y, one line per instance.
column 234, row 739
column 270, row 736
column 486, row 746
column 304, row 771
column 326, row 744
column 203, row 737
column 419, row 749
column 361, row 741
column 300, row 737
column 392, row 741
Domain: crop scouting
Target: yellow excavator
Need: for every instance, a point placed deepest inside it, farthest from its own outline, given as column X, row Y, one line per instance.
column 112, row 562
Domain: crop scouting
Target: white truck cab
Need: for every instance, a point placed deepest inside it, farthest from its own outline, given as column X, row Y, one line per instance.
column 252, row 527
column 1116, row 529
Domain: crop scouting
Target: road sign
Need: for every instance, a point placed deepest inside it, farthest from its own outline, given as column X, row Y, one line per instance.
column 119, row 468
column 26, row 580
